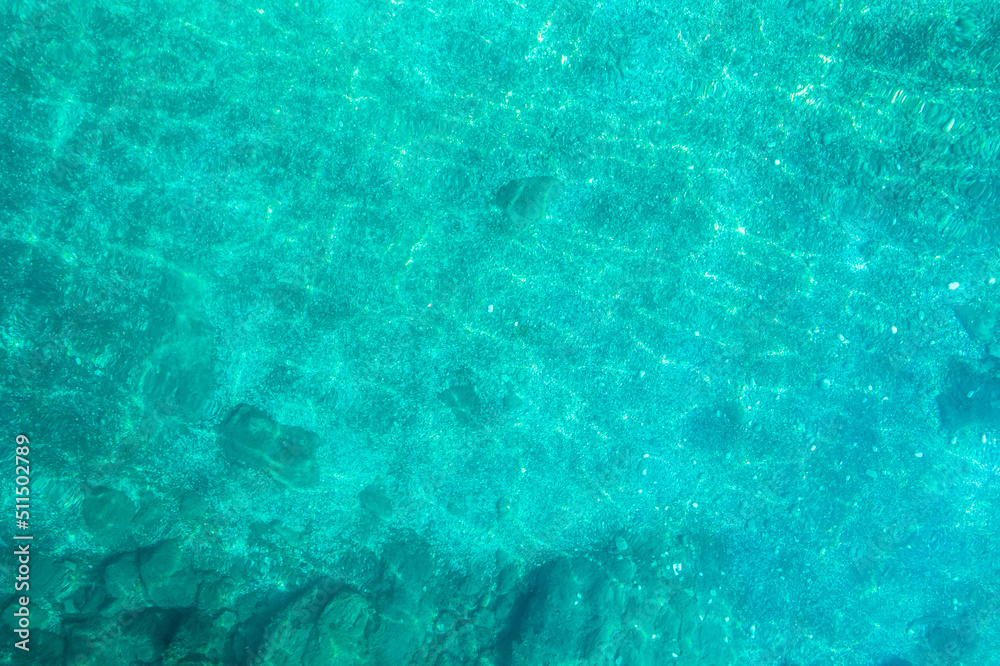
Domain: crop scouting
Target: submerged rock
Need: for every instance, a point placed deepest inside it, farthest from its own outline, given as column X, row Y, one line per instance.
column 979, row 320
column 252, row 438
column 525, row 200
column 463, row 401
column 972, row 398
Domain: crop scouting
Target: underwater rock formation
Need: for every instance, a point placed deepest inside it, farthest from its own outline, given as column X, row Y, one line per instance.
column 253, row 439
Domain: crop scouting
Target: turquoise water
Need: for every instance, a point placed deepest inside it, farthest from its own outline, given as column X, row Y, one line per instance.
column 554, row 333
